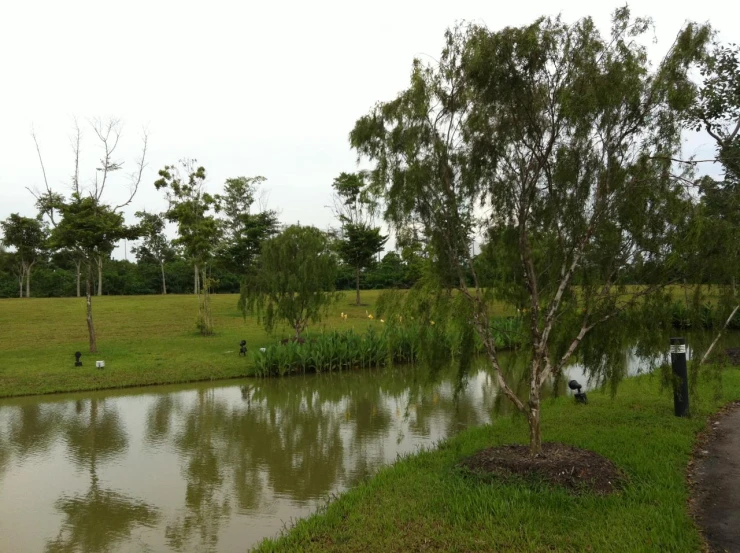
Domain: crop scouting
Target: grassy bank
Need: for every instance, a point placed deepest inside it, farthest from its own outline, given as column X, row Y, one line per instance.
column 423, row 503
column 143, row 340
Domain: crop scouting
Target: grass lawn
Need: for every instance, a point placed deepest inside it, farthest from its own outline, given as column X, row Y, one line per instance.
column 424, row 503
column 142, row 339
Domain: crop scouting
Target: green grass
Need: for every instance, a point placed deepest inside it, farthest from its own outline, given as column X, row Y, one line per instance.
column 142, row 339
column 423, row 503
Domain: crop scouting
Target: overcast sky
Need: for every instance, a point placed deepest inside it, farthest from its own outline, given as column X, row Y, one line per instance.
column 247, row 88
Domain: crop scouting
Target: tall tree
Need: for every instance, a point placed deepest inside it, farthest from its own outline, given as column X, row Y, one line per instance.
column 28, row 237
column 359, row 240
column 558, row 137
column 244, row 231
column 191, row 207
column 293, row 280
column 89, row 227
column 717, row 112
column 154, row 244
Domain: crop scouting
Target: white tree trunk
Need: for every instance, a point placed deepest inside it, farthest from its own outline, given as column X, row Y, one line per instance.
column 100, row 275
column 28, row 280
column 88, row 301
column 77, row 266
column 164, row 283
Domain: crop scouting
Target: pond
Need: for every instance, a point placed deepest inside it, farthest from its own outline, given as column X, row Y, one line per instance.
column 215, row 466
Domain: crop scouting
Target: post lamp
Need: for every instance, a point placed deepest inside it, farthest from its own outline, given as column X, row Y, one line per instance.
column 580, row 396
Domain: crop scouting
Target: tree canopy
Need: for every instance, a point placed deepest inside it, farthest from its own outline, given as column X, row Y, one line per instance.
column 293, row 281
column 549, row 138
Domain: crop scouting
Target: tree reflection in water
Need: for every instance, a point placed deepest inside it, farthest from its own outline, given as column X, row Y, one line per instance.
column 100, row 518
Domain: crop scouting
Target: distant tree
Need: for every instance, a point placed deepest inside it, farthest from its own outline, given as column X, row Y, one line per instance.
column 89, row 228
column 561, row 134
column 243, row 231
column 358, row 245
column 28, row 237
column 191, row 207
column 359, row 241
column 293, row 280
column 154, row 244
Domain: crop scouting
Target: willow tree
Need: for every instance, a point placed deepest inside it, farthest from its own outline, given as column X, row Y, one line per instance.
column 717, row 112
column 293, row 280
column 548, row 138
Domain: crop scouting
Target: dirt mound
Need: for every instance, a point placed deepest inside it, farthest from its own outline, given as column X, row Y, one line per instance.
column 573, row 468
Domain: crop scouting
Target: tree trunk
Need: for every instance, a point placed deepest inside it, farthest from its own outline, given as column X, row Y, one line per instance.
column 205, row 317
column 88, row 300
column 719, row 335
column 357, row 276
column 20, row 283
column 77, row 265
column 164, row 283
column 100, row 275
column 196, row 284
column 533, row 415
column 28, row 280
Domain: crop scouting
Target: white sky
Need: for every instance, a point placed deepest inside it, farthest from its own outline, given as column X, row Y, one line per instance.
column 247, row 88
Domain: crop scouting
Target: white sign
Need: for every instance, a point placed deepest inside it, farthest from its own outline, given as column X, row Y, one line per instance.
column 100, row 364
column 678, row 348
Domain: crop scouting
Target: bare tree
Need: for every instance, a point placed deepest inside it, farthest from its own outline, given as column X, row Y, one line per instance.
column 83, row 223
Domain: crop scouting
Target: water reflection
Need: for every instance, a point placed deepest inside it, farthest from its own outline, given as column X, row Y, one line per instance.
column 96, row 520
column 218, row 467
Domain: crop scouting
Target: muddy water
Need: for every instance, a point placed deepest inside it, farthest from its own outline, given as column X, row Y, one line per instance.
column 209, row 467
column 214, row 467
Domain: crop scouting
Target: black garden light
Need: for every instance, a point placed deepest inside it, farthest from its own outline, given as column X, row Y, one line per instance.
column 78, row 363
column 243, row 348
column 580, row 396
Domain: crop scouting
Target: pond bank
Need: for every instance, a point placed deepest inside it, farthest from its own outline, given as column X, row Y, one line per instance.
column 424, row 503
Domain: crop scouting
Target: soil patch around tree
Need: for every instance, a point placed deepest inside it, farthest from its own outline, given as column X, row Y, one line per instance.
column 714, row 480
column 577, row 470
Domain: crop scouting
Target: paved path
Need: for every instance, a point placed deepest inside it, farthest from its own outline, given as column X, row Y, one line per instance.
column 717, row 485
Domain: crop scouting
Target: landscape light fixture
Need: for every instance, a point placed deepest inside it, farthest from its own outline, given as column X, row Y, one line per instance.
column 78, row 363
column 576, row 387
column 243, row 348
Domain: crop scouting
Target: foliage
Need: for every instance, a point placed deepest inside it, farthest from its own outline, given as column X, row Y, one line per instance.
column 357, row 246
column 396, row 342
column 359, row 240
column 243, row 231
column 28, row 237
column 293, row 280
column 561, row 138
column 198, row 230
column 154, row 245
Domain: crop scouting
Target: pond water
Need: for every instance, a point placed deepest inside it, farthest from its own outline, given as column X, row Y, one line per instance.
column 215, row 466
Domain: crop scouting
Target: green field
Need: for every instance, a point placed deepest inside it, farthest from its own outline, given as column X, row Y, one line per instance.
column 425, row 503
column 142, row 339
